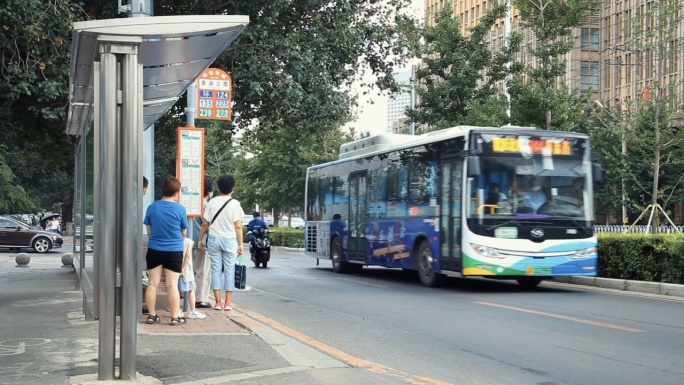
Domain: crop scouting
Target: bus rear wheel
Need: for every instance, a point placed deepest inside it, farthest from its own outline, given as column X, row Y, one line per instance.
column 426, row 272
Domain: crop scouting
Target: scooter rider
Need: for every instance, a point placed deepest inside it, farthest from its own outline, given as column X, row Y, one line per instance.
column 254, row 224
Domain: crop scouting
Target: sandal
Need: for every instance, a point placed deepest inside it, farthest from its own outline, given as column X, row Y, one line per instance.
column 177, row 321
column 153, row 319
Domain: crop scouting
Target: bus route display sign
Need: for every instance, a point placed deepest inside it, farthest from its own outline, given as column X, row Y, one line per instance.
column 531, row 145
column 190, row 169
column 214, row 95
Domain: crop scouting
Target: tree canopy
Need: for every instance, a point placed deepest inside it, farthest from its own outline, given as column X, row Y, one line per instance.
column 35, row 44
column 459, row 70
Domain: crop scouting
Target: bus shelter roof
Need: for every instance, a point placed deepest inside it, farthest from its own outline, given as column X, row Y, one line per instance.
column 174, row 50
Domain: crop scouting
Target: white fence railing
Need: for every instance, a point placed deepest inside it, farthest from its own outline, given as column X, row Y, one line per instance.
column 638, row 229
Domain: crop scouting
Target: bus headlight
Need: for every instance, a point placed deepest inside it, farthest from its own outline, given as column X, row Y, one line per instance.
column 486, row 251
column 584, row 254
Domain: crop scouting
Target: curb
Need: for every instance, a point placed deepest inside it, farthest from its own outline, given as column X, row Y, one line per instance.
column 670, row 289
column 287, row 249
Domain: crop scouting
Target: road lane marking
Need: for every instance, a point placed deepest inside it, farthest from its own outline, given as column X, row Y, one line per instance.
column 347, row 358
column 365, row 283
column 563, row 317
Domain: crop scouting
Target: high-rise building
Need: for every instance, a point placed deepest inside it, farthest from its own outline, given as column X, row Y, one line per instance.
column 398, row 102
column 600, row 63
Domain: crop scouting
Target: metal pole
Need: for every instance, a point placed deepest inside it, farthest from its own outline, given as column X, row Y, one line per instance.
column 413, row 106
column 107, row 240
column 622, row 178
column 190, row 113
column 129, row 191
column 98, row 150
column 507, row 35
column 83, row 179
column 191, row 110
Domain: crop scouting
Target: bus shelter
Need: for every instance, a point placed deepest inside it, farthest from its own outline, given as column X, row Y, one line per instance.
column 125, row 74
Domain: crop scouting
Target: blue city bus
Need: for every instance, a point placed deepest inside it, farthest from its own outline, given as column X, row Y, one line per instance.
column 505, row 203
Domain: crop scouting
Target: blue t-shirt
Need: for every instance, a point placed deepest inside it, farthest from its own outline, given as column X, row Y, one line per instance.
column 167, row 220
column 256, row 224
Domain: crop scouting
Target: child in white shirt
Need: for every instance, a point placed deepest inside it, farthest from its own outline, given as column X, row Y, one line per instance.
column 187, row 282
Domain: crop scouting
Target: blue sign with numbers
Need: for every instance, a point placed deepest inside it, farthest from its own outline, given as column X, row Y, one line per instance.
column 214, row 95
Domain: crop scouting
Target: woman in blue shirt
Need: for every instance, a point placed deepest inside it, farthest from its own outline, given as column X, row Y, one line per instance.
column 167, row 226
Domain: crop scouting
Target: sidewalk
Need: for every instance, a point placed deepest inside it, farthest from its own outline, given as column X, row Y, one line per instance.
column 44, row 339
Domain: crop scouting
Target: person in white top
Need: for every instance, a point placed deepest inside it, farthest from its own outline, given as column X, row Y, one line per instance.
column 223, row 220
column 187, row 280
column 53, row 225
column 202, row 263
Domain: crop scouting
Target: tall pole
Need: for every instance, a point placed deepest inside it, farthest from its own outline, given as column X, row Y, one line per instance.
column 622, row 181
column 413, row 105
column 507, row 35
column 144, row 8
column 191, row 110
column 130, row 193
column 106, row 243
column 190, row 114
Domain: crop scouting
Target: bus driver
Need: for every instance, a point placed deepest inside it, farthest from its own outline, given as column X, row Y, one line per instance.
column 534, row 197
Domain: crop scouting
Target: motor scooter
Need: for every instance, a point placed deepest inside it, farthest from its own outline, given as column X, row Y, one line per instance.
column 260, row 247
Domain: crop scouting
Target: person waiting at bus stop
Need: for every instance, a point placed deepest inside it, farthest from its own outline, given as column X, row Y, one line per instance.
column 254, row 224
column 167, row 226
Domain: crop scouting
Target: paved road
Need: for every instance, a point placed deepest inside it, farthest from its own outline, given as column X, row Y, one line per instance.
column 473, row 331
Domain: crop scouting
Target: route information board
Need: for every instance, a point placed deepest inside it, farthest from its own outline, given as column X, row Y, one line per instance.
column 190, row 168
column 214, row 95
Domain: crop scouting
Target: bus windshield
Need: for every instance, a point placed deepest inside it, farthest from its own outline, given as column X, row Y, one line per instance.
column 540, row 181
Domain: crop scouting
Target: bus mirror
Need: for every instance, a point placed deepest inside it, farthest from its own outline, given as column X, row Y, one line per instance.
column 474, row 166
column 597, row 172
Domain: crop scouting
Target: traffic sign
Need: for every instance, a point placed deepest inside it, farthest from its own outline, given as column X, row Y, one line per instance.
column 214, row 95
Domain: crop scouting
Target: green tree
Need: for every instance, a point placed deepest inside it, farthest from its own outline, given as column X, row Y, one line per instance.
column 13, row 198
column 277, row 171
column 649, row 126
column 219, row 149
column 35, row 67
column 655, row 137
column 291, row 60
column 460, row 71
column 294, row 54
column 551, row 23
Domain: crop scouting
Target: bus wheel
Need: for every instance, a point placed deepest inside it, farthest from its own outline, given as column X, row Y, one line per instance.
column 338, row 265
column 529, row 282
column 427, row 274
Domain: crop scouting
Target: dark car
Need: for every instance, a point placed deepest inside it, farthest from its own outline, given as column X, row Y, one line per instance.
column 17, row 235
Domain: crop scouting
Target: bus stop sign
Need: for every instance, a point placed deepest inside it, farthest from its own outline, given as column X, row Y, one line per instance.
column 214, row 95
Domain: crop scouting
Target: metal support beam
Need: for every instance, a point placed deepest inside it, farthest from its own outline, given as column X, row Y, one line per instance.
column 129, row 191
column 106, row 245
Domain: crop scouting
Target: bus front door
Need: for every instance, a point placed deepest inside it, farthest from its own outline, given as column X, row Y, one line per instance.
column 450, row 213
column 357, row 217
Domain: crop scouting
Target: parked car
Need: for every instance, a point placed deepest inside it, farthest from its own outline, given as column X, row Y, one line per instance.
column 15, row 234
column 295, row 223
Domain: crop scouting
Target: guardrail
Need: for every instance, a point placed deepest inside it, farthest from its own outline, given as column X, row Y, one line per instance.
column 638, row 229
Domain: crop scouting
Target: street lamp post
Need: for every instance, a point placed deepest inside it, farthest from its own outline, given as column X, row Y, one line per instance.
column 413, row 106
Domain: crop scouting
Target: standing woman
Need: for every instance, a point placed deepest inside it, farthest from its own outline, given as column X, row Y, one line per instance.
column 167, row 226
column 224, row 242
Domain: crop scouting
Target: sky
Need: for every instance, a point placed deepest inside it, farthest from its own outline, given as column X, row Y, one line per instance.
column 373, row 117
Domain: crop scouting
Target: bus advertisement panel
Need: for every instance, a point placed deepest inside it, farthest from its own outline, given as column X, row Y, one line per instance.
column 497, row 202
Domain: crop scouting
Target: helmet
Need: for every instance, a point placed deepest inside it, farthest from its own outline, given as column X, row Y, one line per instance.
column 256, row 214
